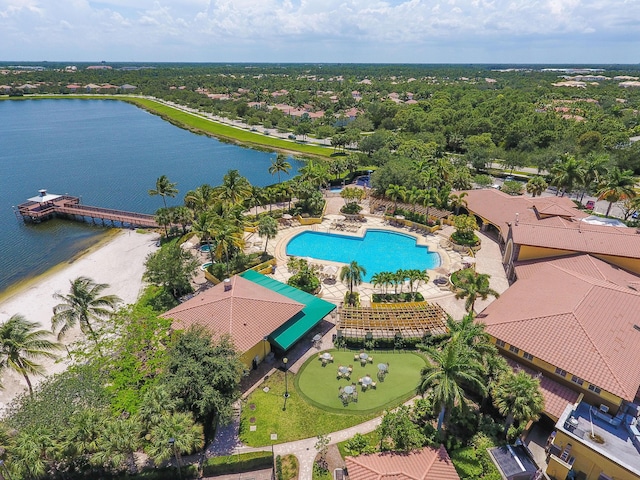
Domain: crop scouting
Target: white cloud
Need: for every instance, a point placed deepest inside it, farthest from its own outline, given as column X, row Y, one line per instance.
column 297, row 29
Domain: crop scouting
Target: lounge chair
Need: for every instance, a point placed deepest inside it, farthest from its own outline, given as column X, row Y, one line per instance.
column 373, row 384
column 370, row 359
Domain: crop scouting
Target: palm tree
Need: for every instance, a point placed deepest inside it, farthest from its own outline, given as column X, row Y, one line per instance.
column 517, row 396
column 447, row 371
column 352, row 275
column 415, row 196
column 202, row 226
column 567, row 174
column 473, row 285
column 164, row 188
column 616, row 185
column 458, row 201
column 182, row 216
column 163, row 218
column 595, row 166
column 187, row 435
column 395, row 193
column 536, row 185
column 117, row 444
column 226, row 236
column 21, row 342
column 280, row 164
column 267, row 228
column 234, row 189
column 416, row 277
column 199, row 199
column 84, row 304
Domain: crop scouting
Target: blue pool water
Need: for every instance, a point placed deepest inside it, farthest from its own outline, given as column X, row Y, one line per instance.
column 378, row 251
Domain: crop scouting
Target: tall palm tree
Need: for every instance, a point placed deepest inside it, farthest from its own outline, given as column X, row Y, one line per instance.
column 568, row 173
column 595, row 166
column 473, row 285
column 415, row 196
column 234, row 188
column 83, row 305
column 448, row 370
column 267, row 228
column 352, row 275
column 416, row 277
column 164, row 188
column 536, row 186
column 616, row 185
column 517, row 396
column 226, row 236
column 163, row 218
column 183, row 216
column 279, row 165
column 21, row 342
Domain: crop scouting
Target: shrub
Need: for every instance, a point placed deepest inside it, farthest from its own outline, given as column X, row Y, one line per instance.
column 351, row 209
column 467, row 463
column 512, row 187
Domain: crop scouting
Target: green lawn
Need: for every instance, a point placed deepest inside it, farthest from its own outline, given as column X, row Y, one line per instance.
column 306, row 417
column 300, row 420
column 319, row 384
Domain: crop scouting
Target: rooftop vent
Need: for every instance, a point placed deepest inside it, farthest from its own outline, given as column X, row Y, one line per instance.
column 227, row 284
column 517, row 218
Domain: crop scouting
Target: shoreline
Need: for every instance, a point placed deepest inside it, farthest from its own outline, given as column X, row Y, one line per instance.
column 26, row 283
column 116, row 259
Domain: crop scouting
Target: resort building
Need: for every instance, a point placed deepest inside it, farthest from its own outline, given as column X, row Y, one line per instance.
column 546, row 227
column 571, row 321
column 258, row 313
column 425, row 464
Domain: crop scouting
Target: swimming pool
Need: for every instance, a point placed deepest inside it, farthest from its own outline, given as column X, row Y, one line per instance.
column 378, row 251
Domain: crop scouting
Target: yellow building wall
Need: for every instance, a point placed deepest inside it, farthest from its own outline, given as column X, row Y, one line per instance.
column 631, row 264
column 261, row 350
column 588, row 461
column 604, row 397
column 527, row 252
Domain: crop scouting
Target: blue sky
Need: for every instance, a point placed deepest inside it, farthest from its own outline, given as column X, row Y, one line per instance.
column 397, row 31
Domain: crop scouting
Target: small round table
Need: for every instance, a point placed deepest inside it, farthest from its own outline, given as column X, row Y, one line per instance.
column 342, row 369
column 366, row 381
column 325, row 356
column 363, row 356
column 349, row 390
column 382, row 367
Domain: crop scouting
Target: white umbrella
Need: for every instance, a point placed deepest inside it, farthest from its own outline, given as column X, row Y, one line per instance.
column 400, row 217
column 468, row 259
column 286, row 216
column 330, row 270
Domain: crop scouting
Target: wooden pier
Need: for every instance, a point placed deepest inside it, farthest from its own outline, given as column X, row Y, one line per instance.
column 46, row 206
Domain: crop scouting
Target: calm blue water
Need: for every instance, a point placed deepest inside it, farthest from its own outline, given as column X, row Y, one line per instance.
column 109, row 153
column 379, row 250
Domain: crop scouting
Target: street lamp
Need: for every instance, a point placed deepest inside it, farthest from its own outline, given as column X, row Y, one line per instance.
column 285, row 360
column 172, row 442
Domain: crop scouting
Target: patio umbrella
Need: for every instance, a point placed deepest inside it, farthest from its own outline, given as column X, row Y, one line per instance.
column 468, row 259
column 330, row 270
column 286, row 216
column 400, row 217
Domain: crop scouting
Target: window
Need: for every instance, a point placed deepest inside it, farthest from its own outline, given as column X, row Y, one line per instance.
column 513, row 349
column 500, row 343
column 594, row 389
column 577, row 380
column 528, row 356
column 561, row 372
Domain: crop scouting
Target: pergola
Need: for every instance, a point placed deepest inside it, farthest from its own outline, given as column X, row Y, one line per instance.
column 408, row 320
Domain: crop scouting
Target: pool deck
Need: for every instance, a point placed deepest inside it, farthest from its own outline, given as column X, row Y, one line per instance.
column 488, row 260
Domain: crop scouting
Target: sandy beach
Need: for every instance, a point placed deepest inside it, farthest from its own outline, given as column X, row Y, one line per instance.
column 118, row 263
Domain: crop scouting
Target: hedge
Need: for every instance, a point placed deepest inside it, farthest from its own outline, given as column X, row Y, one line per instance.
column 243, row 462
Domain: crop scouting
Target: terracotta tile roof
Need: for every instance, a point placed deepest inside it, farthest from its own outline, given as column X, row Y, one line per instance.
column 500, row 209
column 427, row 463
column 579, row 237
column 247, row 312
column 577, row 314
column 556, row 396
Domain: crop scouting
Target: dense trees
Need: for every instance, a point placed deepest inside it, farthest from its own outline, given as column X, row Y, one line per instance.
column 171, row 268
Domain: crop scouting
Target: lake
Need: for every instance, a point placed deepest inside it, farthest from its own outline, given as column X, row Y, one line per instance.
column 110, row 154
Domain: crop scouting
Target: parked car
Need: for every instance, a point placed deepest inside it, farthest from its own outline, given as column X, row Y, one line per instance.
column 590, row 205
column 509, row 178
column 636, row 215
